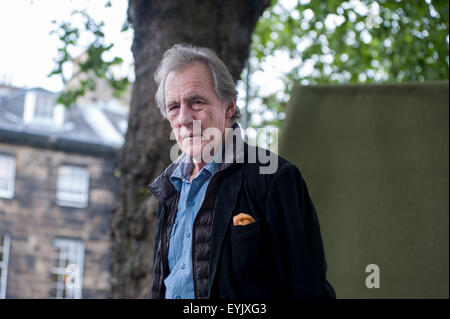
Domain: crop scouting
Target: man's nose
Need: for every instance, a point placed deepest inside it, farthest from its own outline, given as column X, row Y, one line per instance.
column 186, row 115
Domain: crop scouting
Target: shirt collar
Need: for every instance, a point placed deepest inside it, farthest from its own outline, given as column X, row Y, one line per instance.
column 183, row 171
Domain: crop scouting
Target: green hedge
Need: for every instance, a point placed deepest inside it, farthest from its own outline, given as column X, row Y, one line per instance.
column 376, row 162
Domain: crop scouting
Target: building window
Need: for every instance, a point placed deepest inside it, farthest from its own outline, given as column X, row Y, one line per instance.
column 4, row 255
column 67, row 270
column 7, row 176
column 73, row 186
column 44, row 108
column 41, row 109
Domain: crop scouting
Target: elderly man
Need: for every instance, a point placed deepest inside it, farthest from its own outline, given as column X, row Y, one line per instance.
column 226, row 228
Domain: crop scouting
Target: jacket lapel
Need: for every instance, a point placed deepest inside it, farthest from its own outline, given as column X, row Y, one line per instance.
column 226, row 200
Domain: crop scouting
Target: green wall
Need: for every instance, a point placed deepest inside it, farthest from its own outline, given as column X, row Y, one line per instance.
column 376, row 162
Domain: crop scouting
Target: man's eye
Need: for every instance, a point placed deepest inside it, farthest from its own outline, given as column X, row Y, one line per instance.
column 198, row 102
column 172, row 107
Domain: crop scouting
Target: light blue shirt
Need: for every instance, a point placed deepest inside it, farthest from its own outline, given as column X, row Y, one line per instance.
column 180, row 282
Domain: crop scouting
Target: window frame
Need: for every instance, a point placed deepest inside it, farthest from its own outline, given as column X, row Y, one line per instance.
column 30, row 108
column 9, row 193
column 71, row 252
column 4, row 249
column 64, row 195
column 37, row 117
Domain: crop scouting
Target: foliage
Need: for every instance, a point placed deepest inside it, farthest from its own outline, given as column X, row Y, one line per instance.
column 333, row 41
column 92, row 66
column 356, row 41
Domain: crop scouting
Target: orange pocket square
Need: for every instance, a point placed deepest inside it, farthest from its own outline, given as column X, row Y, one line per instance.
column 242, row 219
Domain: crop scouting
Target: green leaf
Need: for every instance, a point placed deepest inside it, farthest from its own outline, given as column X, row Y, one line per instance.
column 94, row 65
column 417, row 33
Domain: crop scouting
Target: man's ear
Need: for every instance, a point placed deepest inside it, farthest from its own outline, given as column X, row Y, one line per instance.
column 231, row 108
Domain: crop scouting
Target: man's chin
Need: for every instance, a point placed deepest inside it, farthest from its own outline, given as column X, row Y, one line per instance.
column 194, row 153
column 195, row 157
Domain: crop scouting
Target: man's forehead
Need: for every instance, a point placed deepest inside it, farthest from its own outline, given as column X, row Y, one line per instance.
column 196, row 73
column 188, row 91
column 192, row 80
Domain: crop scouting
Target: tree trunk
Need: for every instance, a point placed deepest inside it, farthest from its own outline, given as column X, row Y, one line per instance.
column 226, row 27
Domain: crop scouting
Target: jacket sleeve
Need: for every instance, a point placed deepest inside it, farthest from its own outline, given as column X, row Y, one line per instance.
column 295, row 237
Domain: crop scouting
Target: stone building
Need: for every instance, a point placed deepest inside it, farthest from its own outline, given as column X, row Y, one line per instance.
column 58, row 184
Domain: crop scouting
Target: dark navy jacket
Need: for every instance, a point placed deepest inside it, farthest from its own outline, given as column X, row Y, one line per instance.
column 280, row 255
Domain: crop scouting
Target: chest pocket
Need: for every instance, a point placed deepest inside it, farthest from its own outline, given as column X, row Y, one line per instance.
column 247, row 253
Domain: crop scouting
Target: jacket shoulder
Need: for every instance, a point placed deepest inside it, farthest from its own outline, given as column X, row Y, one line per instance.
column 264, row 164
column 258, row 174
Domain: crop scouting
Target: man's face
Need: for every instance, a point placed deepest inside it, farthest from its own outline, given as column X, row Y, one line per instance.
column 189, row 97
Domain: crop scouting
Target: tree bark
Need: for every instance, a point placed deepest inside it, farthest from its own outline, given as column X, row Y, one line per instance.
column 226, row 27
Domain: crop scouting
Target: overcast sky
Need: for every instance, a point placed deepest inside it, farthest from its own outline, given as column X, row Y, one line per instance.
column 27, row 49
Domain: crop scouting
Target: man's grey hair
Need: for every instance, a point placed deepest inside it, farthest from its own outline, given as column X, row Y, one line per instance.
column 183, row 55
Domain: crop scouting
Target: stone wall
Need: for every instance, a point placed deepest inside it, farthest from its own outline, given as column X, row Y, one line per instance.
column 33, row 219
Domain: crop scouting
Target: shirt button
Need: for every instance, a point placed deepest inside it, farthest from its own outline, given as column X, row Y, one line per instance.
column 191, row 203
column 188, row 235
column 183, row 266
